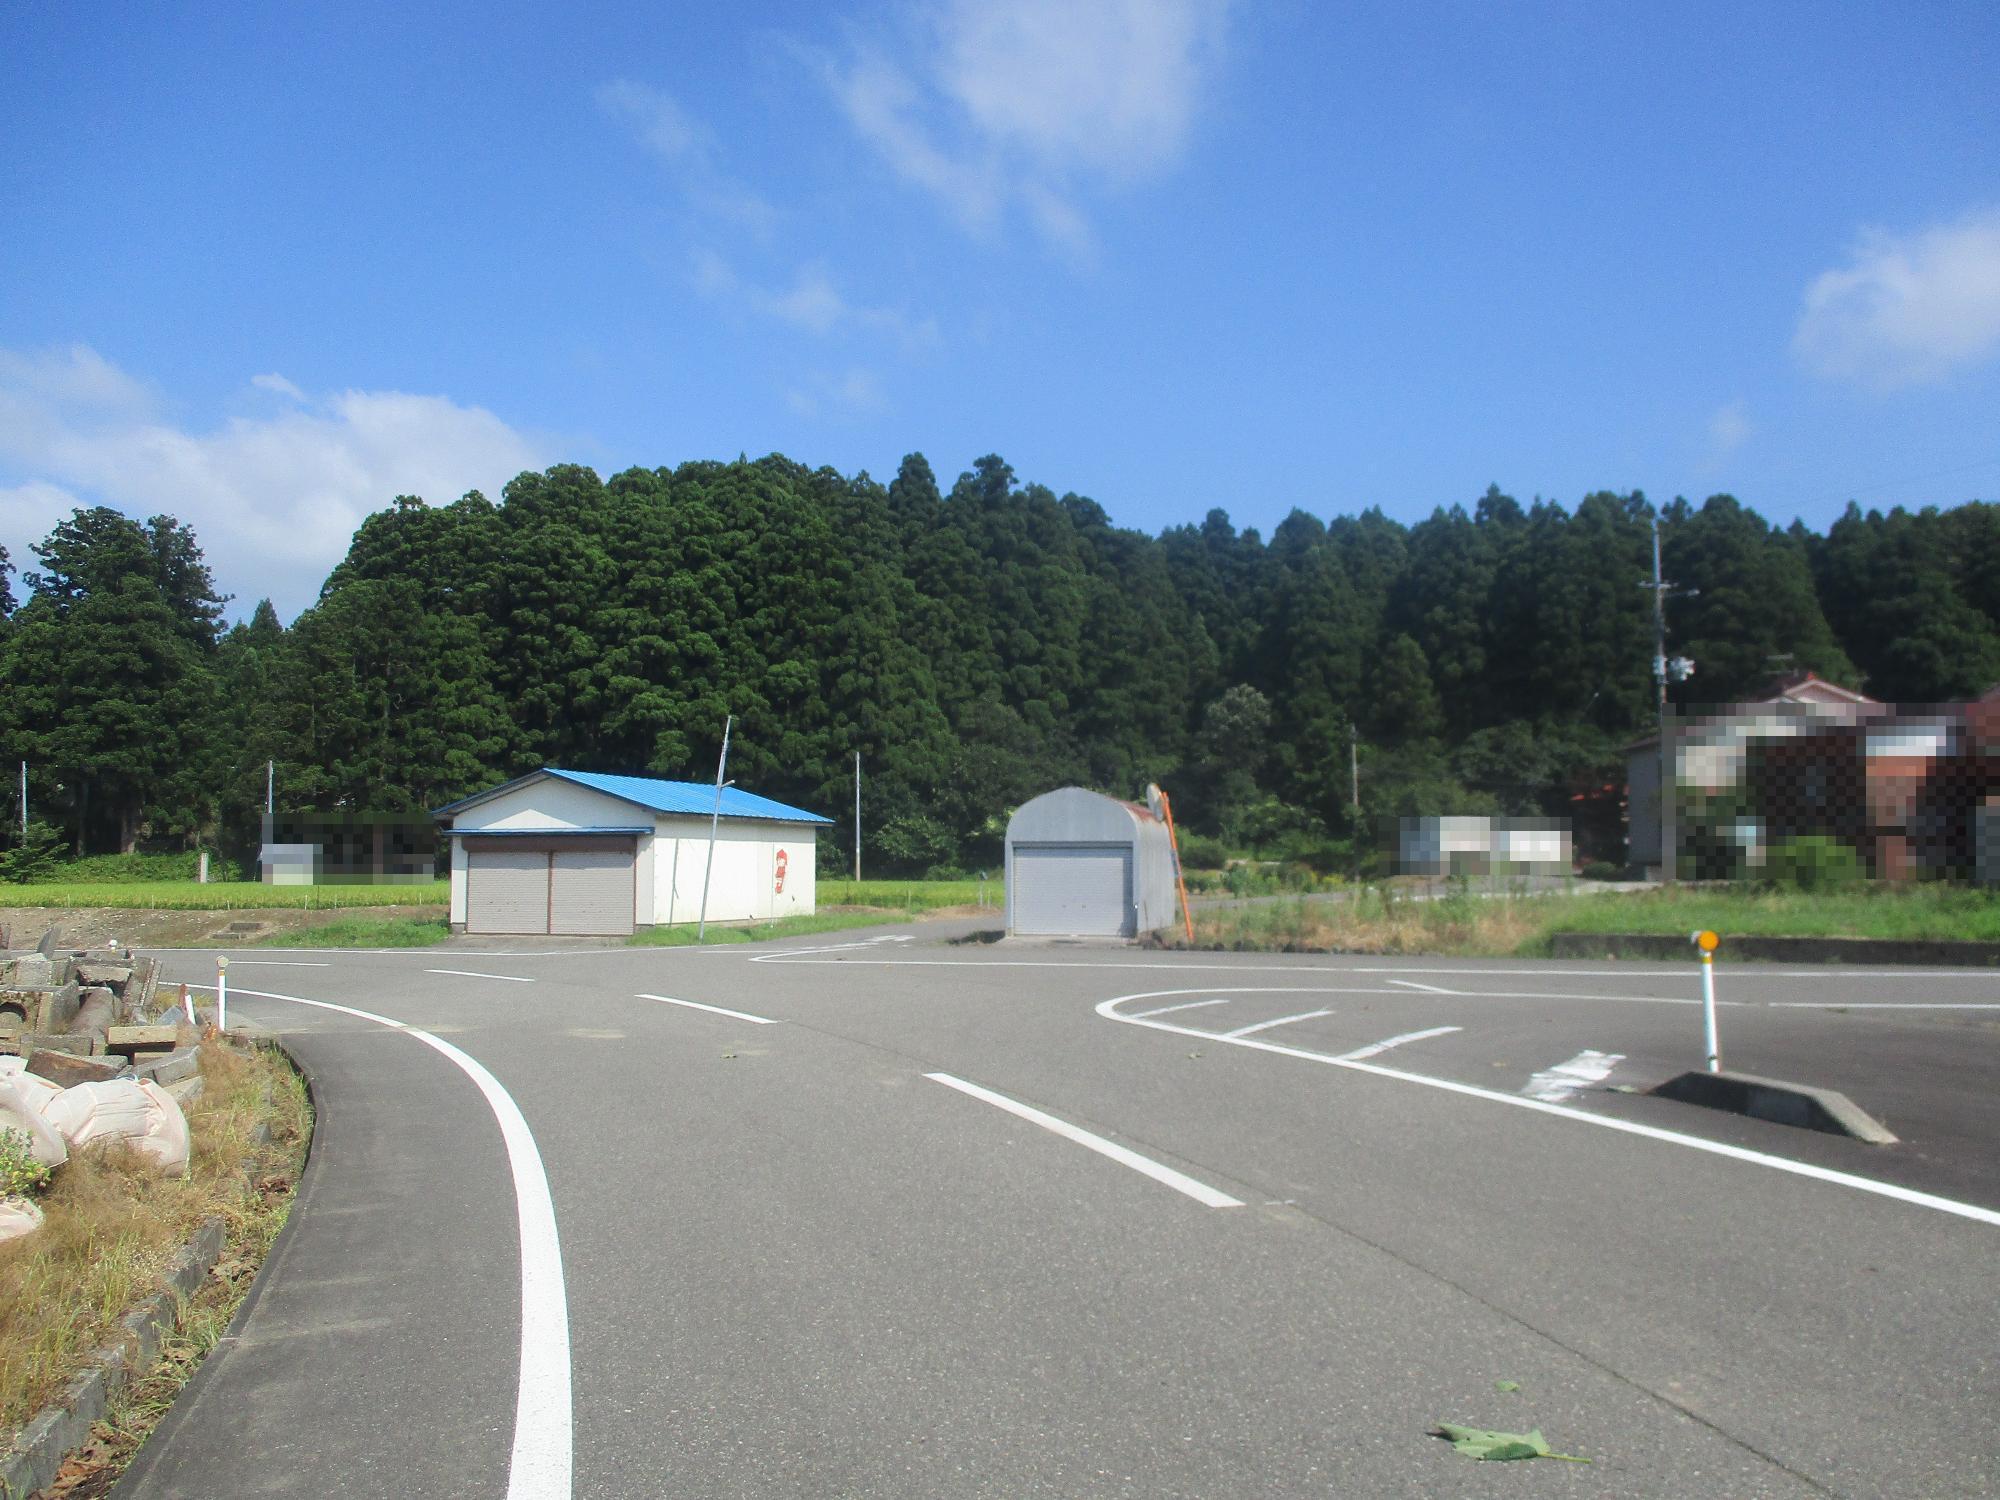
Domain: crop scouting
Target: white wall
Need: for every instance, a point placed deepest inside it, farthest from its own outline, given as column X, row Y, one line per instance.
column 746, row 856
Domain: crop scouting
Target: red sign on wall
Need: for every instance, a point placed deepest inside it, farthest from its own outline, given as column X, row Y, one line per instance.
column 781, row 862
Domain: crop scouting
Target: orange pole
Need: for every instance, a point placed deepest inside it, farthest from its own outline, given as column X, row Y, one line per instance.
column 1174, row 843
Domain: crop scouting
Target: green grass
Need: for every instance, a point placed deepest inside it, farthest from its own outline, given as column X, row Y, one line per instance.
column 1379, row 920
column 233, row 895
column 681, row 936
column 906, row 895
column 363, row 932
column 1923, row 913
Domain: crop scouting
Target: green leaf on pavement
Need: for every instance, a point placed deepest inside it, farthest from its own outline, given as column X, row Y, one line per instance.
column 1504, row 1386
column 1477, row 1442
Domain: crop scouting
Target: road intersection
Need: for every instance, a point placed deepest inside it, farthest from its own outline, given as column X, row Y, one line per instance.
column 893, row 1216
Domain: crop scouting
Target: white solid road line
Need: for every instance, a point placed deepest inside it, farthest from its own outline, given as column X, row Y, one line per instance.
column 739, row 1015
column 1189, row 1005
column 471, row 974
column 1375, row 1049
column 1109, row 1010
column 541, row 1463
column 1304, row 1015
column 1564, row 1079
column 1180, row 1182
column 1882, row 1005
column 1411, row 984
column 275, row 963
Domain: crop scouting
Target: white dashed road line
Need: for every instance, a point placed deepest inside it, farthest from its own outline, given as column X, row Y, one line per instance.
column 1304, row 1015
column 471, row 974
column 1429, row 989
column 1109, row 1010
column 738, row 1015
column 1180, row 1182
column 1556, row 1084
column 1376, row 1049
column 1189, row 1005
column 276, row 963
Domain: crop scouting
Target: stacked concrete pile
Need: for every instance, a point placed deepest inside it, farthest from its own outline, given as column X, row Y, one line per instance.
column 85, row 1058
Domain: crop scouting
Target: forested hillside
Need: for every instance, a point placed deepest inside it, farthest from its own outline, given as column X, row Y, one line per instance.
column 975, row 646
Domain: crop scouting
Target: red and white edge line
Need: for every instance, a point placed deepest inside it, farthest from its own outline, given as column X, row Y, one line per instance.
column 541, row 1463
column 1109, row 1010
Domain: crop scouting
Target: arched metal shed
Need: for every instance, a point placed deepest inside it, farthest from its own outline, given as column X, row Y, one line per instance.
column 1080, row 864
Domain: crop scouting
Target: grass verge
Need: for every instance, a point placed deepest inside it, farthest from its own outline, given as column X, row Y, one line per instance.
column 112, row 1227
column 758, row 932
column 363, row 932
column 222, row 895
column 907, row 895
column 1461, row 925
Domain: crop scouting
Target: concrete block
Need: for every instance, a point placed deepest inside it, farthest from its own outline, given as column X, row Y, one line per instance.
column 75, row 1043
column 67, row 1069
column 1797, row 1104
column 34, row 971
column 91, row 971
column 49, row 943
column 170, row 1069
column 41, row 1008
column 145, row 982
column 134, row 1041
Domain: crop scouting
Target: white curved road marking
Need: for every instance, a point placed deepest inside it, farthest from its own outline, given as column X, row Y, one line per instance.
column 542, row 1460
column 475, row 974
column 1304, row 1015
column 1109, row 1010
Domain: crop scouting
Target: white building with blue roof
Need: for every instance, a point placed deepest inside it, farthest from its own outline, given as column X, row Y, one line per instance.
column 587, row 854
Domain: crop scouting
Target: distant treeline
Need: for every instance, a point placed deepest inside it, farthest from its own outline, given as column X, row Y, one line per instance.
column 976, row 647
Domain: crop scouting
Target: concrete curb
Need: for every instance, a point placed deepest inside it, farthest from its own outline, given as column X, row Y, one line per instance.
column 45, row 1442
column 1809, row 1108
column 1793, row 950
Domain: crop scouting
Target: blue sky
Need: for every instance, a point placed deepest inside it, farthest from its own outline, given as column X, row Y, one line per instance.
column 265, row 267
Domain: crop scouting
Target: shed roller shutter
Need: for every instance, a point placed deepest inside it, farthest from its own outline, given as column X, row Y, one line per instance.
column 507, row 890
column 591, row 892
column 1078, row 890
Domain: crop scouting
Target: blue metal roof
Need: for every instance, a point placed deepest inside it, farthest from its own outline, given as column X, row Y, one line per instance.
column 688, row 797
column 696, row 798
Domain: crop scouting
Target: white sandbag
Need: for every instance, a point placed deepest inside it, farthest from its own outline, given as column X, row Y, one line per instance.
column 18, row 1217
column 136, row 1111
column 24, row 1101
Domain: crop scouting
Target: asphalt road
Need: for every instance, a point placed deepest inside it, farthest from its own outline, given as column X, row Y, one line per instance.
column 880, row 1216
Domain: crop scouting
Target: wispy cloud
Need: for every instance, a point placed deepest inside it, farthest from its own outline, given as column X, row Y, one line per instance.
column 813, row 303
column 274, row 499
column 1728, row 430
column 689, row 150
column 843, row 396
column 995, row 104
column 1907, row 309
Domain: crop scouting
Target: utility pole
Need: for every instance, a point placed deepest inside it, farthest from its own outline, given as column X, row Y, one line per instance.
column 24, row 802
column 1354, row 765
column 714, row 822
column 1678, row 669
column 270, row 787
column 857, row 817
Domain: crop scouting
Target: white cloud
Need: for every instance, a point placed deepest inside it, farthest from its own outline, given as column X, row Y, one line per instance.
column 273, row 500
column 277, row 385
column 689, row 150
column 1003, row 102
column 1909, row 309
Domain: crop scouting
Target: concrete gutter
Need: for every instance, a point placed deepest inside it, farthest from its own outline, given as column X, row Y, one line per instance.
column 41, row 1447
column 1809, row 1108
column 1792, row 950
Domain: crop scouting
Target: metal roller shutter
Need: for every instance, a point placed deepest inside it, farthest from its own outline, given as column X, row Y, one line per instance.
column 507, row 890
column 591, row 892
column 1074, row 890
